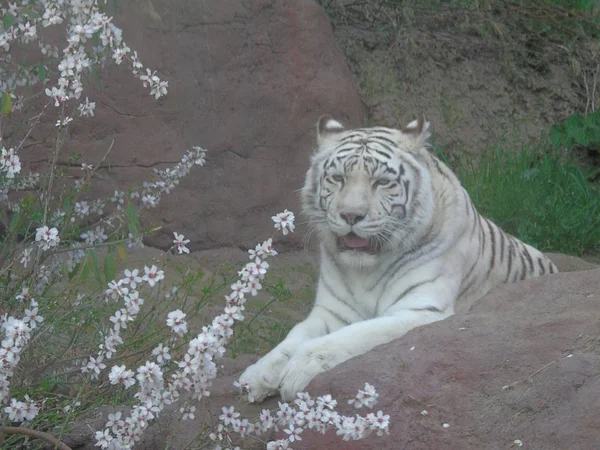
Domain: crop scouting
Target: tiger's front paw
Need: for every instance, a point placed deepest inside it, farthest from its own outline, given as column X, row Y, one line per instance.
column 309, row 361
column 262, row 379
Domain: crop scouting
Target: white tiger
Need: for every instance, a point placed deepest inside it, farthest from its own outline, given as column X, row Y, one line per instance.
column 400, row 243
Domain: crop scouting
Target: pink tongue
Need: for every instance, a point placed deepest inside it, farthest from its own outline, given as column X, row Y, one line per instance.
column 353, row 241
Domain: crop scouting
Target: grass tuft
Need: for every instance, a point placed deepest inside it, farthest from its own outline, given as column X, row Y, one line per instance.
column 543, row 198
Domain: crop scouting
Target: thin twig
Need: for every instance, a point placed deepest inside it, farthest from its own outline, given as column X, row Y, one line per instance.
column 37, row 119
column 36, row 435
column 528, row 378
column 594, row 88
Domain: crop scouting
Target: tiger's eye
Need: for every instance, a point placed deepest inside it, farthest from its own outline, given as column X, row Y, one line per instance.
column 337, row 178
column 381, row 182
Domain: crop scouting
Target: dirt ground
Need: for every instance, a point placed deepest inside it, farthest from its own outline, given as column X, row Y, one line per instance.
column 481, row 76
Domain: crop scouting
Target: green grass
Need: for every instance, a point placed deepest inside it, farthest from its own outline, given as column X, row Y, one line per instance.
column 544, row 198
column 575, row 5
column 270, row 316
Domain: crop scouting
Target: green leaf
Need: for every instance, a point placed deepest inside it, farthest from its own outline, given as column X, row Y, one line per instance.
column 110, row 268
column 6, row 103
column 75, row 271
column 132, row 220
column 93, row 258
column 37, row 215
column 122, row 252
column 42, row 72
column 556, row 137
column 17, row 222
column 8, row 20
column 578, row 135
column 20, row 220
column 85, row 271
column 67, row 204
column 47, row 384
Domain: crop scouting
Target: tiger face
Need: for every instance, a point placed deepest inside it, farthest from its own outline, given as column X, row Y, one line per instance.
column 366, row 193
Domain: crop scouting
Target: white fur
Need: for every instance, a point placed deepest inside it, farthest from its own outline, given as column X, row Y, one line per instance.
column 354, row 310
column 333, row 125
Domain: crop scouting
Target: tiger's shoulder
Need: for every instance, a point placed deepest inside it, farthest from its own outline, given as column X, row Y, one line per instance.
column 490, row 255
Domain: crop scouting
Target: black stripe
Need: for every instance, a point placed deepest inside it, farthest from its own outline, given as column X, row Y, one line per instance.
column 466, row 197
column 430, row 308
column 334, row 294
column 541, row 266
column 344, row 150
column 384, row 139
column 392, row 149
column 467, row 287
column 382, row 130
column 481, row 236
column 551, row 267
column 350, row 165
column 382, row 153
column 466, row 279
column 329, row 164
column 493, row 240
column 501, row 245
column 412, row 288
column 436, row 162
column 470, row 270
column 399, row 263
column 390, row 267
column 341, row 270
column 510, row 256
column 528, row 256
column 351, row 136
column 523, row 265
column 334, row 314
column 369, row 160
column 474, row 226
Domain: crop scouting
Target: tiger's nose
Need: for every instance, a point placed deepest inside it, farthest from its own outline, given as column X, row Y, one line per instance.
column 351, row 219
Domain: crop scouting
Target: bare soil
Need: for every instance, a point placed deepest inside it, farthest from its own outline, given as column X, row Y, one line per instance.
column 480, row 76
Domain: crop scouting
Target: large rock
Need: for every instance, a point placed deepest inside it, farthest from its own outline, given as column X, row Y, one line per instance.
column 521, row 364
column 518, row 336
column 247, row 81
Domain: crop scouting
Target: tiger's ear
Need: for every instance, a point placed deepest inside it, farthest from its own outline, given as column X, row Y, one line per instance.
column 327, row 126
column 418, row 132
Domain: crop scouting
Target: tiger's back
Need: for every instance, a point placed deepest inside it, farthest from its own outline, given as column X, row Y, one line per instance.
column 492, row 256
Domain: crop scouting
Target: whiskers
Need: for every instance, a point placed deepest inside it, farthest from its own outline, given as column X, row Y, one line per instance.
column 307, row 237
column 313, row 225
column 390, row 233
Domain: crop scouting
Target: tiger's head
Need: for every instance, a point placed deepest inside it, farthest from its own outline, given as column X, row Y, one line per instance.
column 368, row 192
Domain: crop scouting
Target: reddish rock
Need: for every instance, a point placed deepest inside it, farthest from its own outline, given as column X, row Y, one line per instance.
column 497, row 373
column 247, row 81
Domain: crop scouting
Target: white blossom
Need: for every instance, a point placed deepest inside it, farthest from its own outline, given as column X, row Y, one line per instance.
column 284, row 221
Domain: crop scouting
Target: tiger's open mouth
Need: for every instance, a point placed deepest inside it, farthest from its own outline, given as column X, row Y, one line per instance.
column 355, row 243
